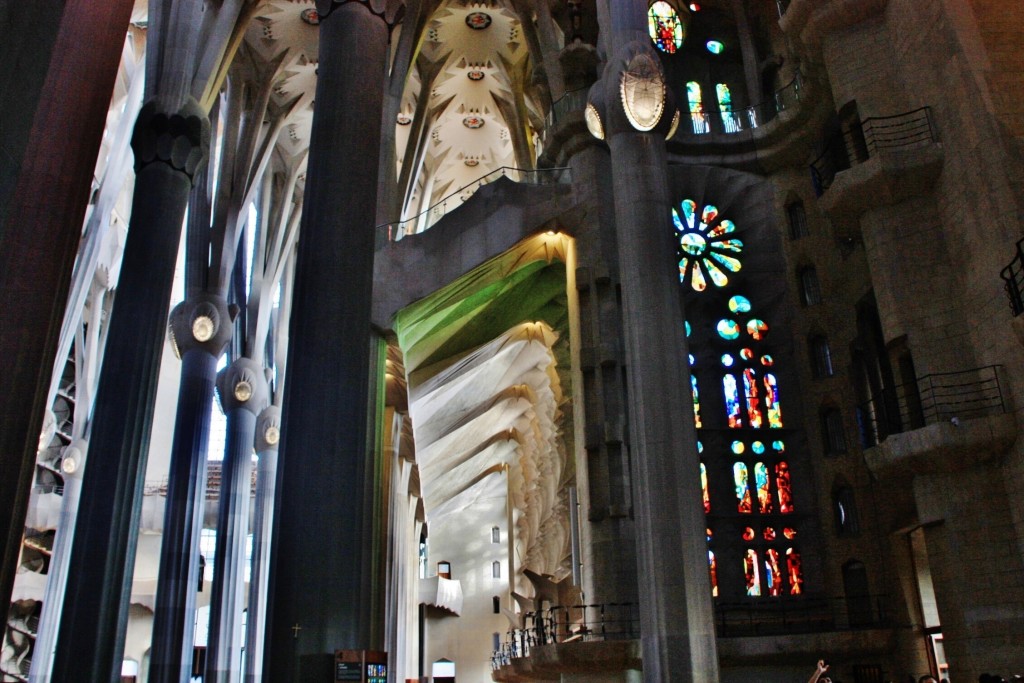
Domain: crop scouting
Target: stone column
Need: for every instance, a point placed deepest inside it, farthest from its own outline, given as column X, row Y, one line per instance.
column 676, row 621
column 200, row 328
column 169, row 149
column 40, row 237
column 319, row 600
column 268, row 436
column 243, row 392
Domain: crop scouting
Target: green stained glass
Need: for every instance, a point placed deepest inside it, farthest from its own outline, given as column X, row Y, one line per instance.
column 739, row 304
column 757, row 447
column 738, row 447
column 728, row 329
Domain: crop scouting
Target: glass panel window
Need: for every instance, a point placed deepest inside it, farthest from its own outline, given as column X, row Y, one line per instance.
column 764, row 497
column 704, row 488
column 753, row 401
column 794, row 568
column 810, row 288
column 821, row 357
column 713, row 569
column 782, row 483
column 751, row 571
column 732, row 401
column 740, row 476
column 772, row 572
column 797, row 220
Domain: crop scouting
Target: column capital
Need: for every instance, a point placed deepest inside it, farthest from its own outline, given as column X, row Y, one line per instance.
column 243, row 384
column 180, row 139
column 203, row 322
column 633, row 95
column 391, row 12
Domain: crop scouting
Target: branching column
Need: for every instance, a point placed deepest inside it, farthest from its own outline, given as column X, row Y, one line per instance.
column 169, row 149
column 320, row 566
column 201, row 328
column 243, row 392
column 677, row 628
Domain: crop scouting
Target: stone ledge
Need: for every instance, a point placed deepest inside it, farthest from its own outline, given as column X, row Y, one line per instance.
column 943, row 447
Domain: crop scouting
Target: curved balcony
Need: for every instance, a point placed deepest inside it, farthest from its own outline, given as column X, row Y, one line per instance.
column 879, row 161
column 944, row 423
column 441, row 592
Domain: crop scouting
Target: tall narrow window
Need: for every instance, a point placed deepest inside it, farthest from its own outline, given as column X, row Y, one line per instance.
column 844, row 507
column 495, row 535
column 771, row 401
column 810, row 288
column 713, row 570
column 496, row 570
column 696, row 102
column 730, row 120
column 496, row 605
column 752, row 572
column 704, row 488
column 696, row 402
column 772, row 572
column 797, row 220
column 740, row 475
column 783, row 487
column 821, row 357
column 753, row 401
column 794, row 568
column 764, row 496
column 832, row 431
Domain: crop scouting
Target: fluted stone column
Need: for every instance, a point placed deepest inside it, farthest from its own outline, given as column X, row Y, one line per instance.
column 676, row 621
column 169, row 149
column 268, row 436
column 201, row 328
column 243, row 391
column 319, row 600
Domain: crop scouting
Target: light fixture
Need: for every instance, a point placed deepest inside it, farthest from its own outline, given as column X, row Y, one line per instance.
column 243, row 391
column 272, row 435
column 642, row 90
column 593, row 119
column 71, row 460
column 674, row 126
column 203, row 328
column 715, row 47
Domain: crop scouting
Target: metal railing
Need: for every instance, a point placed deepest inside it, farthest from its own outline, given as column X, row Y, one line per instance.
column 719, row 122
column 610, row 621
column 571, row 101
column 396, row 230
column 1013, row 280
column 772, row 616
column 935, row 398
column 858, row 142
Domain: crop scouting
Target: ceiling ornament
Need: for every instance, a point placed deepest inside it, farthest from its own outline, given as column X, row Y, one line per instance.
column 311, row 16
column 475, row 75
column 473, row 121
column 403, row 119
column 478, row 20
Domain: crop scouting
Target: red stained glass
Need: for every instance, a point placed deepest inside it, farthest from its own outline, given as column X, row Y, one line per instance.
column 751, row 571
column 753, row 401
column 794, row 567
column 713, row 570
column 772, row 572
column 748, row 534
column 782, row 484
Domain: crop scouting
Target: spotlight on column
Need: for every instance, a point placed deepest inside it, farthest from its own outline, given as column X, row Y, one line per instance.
column 243, row 391
column 202, row 328
column 272, row 435
column 69, row 463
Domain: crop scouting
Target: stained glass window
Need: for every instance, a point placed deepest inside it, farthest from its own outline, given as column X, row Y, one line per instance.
column 764, row 496
column 665, row 27
column 753, row 401
column 707, row 247
column 757, row 329
column 752, row 573
column 728, row 329
column 704, row 488
column 782, row 484
column 732, row 401
column 739, row 304
column 730, row 120
column 696, row 102
column 769, row 533
column 772, row 573
column 739, row 475
column 748, row 534
column 714, row 47
column 696, row 402
column 771, row 401
column 713, row 570
column 794, row 567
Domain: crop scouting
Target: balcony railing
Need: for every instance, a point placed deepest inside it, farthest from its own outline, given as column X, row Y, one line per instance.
column 859, row 142
column 571, row 101
column 705, row 122
column 803, row 615
column 611, row 621
column 940, row 397
column 396, row 230
column 1013, row 280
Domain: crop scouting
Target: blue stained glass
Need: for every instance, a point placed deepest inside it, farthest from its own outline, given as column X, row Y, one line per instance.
column 739, row 304
column 732, row 401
